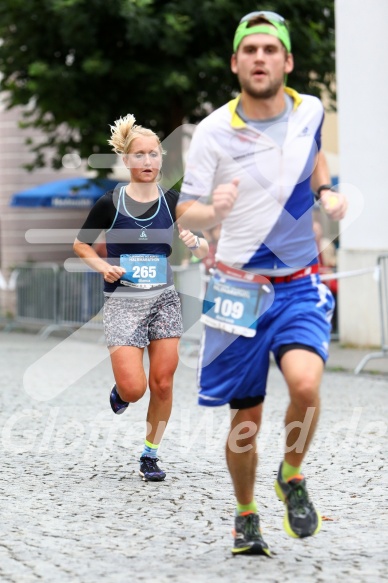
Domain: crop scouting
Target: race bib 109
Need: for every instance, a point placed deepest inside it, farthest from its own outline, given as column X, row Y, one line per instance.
column 234, row 306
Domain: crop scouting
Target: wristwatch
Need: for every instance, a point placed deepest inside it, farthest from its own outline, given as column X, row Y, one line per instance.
column 317, row 195
column 197, row 243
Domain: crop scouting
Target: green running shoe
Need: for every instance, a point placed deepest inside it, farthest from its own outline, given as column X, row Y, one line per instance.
column 247, row 536
column 301, row 519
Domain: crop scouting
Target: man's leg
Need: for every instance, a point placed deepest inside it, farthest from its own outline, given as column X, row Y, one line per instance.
column 241, row 457
column 302, row 371
column 241, row 454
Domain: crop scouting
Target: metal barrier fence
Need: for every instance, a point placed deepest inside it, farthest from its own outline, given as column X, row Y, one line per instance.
column 53, row 298
column 80, row 299
column 36, row 293
column 382, row 264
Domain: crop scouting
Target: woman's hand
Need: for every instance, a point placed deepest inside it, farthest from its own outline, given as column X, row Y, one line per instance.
column 197, row 245
column 188, row 238
column 113, row 273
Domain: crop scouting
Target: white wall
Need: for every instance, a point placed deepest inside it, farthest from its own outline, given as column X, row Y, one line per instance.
column 362, row 85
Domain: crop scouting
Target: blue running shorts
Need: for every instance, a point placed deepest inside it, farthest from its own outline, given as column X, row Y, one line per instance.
column 235, row 367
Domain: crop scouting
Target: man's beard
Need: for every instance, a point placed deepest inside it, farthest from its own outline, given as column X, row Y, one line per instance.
column 266, row 93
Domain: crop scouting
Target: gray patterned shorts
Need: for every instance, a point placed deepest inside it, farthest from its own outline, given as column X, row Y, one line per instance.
column 137, row 321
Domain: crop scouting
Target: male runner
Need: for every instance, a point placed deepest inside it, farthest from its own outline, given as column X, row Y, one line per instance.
column 251, row 166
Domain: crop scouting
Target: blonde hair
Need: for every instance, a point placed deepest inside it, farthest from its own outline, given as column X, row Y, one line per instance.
column 124, row 131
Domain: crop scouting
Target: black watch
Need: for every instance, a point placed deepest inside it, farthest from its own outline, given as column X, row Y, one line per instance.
column 319, row 190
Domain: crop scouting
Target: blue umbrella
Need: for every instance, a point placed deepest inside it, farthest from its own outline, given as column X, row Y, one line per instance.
column 67, row 193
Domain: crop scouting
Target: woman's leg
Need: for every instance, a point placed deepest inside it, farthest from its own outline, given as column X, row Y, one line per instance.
column 128, row 370
column 163, row 356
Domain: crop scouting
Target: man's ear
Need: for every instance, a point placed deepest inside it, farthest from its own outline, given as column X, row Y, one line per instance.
column 289, row 66
column 233, row 63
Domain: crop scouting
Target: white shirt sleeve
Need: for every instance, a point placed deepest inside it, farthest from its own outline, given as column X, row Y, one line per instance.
column 201, row 164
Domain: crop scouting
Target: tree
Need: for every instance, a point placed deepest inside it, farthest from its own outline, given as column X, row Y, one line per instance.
column 81, row 64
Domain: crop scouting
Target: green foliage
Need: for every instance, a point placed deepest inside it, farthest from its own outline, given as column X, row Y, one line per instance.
column 81, row 64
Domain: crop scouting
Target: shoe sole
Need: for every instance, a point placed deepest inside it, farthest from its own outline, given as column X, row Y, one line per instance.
column 119, row 411
column 286, row 522
column 254, row 550
column 150, row 479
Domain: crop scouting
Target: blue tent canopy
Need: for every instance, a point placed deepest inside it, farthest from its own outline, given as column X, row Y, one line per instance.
column 68, row 193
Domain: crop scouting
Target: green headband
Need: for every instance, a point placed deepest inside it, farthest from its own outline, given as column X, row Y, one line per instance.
column 275, row 29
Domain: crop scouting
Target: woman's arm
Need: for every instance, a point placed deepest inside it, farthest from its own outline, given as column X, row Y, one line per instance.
column 111, row 273
column 99, row 219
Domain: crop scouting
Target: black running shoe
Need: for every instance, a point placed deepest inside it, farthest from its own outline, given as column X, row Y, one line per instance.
column 116, row 402
column 247, row 536
column 301, row 519
column 149, row 469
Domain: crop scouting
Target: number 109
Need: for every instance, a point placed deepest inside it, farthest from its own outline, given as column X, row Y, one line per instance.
column 228, row 308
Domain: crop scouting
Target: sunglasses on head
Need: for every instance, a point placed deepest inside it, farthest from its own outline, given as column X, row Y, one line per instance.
column 268, row 15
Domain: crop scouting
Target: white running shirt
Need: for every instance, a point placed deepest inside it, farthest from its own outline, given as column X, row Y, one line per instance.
column 270, row 225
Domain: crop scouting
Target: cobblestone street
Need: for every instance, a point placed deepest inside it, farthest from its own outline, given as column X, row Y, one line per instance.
column 74, row 509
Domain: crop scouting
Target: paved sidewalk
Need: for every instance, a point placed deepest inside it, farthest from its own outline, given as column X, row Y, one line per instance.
column 73, row 508
column 347, row 359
